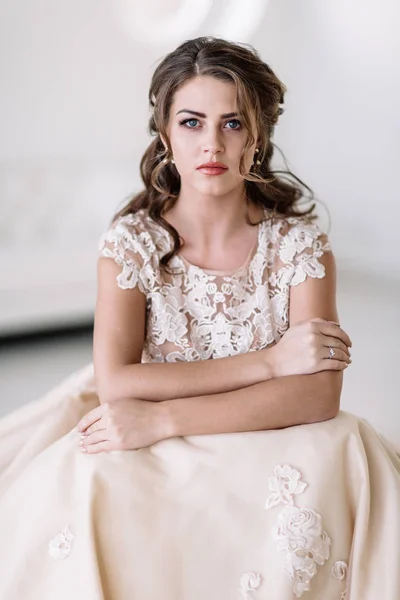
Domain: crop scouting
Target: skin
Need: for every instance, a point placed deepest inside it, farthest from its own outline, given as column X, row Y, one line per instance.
column 210, row 211
column 210, row 216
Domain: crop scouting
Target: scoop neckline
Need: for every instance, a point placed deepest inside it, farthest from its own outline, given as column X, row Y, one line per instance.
column 231, row 273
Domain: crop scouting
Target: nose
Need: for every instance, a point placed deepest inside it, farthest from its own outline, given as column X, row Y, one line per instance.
column 213, row 143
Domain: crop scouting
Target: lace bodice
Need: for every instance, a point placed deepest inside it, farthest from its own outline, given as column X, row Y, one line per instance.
column 196, row 314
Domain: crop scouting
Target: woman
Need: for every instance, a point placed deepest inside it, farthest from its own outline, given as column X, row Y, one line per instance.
column 149, row 497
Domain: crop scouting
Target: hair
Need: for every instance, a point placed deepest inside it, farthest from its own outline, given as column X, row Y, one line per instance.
column 258, row 90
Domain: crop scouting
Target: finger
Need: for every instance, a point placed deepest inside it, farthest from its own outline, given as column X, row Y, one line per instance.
column 92, row 416
column 96, row 448
column 331, row 364
column 95, row 427
column 319, row 320
column 339, row 355
column 337, row 332
column 94, row 438
column 335, row 344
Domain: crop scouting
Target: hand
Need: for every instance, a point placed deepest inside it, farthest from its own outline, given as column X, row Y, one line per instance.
column 125, row 424
column 304, row 349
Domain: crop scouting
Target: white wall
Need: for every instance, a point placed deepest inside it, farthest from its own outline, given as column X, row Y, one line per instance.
column 73, row 117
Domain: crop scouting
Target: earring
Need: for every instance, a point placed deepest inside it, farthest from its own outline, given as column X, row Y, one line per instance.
column 166, row 160
column 258, row 162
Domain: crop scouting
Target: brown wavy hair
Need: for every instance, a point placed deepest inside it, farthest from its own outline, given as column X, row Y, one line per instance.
column 258, row 90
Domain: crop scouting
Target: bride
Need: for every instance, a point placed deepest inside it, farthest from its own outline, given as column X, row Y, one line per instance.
column 204, row 454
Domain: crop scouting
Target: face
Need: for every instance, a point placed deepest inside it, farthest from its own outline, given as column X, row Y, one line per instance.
column 213, row 134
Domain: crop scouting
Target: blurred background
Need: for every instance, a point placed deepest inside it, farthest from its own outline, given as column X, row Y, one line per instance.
column 73, row 117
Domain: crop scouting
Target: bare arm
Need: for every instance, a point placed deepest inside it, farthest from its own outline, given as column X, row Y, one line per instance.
column 277, row 403
column 118, row 342
column 273, row 404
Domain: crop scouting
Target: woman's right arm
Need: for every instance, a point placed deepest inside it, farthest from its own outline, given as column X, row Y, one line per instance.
column 119, row 336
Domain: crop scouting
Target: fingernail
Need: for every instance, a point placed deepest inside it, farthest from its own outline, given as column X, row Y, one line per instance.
column 81, row 443
column 83, row 449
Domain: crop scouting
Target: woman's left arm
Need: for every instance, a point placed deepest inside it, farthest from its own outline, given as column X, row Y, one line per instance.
column 276, row 403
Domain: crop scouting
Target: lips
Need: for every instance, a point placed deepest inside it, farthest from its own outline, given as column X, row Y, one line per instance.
column 213, row 168
column 212, row 165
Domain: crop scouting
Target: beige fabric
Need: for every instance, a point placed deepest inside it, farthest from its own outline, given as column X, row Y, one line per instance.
column 186, row 518
column 308, row 511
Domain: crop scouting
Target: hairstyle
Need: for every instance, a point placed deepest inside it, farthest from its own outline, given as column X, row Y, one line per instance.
column 258, row 90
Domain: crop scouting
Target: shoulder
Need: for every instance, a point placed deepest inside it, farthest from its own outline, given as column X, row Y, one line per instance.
column 128, row 231
column 136, row 232
column 299, row 235
column 301, row 248
column 133, row 242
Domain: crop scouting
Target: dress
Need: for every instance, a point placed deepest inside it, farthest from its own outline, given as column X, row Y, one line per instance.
column 311, row 511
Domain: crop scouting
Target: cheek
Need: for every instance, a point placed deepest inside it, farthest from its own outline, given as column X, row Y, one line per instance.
column 182, row 142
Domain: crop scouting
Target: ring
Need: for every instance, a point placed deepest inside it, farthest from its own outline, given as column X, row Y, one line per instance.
column 332, row 353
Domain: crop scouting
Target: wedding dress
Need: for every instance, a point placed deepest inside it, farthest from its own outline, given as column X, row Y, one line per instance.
column 311, row 511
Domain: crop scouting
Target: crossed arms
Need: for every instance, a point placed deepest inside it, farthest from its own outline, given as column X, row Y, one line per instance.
column 238, row 393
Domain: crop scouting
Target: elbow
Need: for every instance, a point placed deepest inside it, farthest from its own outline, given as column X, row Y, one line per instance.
column 106, row 393
column 327, row 395
column 332, row 407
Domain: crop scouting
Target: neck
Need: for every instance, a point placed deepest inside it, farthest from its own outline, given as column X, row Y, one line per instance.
column 204, row 219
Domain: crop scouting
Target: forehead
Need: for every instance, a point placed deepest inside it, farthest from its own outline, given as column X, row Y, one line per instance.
column 206, row 94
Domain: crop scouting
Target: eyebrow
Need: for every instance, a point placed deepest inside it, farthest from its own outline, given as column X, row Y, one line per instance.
column 204, row 116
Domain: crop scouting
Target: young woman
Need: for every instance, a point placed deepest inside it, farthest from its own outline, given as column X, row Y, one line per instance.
column 206, row 455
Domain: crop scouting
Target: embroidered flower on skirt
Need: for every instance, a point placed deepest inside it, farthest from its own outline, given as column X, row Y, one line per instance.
column 286, row 483
column 249, row 582
column 60, row 546
column 305, row 544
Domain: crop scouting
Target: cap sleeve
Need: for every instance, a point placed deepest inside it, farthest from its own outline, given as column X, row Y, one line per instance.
column 301, row 248
column 131, row 248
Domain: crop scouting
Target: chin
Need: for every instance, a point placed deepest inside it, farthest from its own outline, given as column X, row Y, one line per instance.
column 214, row 190
column 215, row 185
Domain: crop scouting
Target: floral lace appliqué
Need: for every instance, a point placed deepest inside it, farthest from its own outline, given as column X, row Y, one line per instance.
column 299, row 531
column 300, row 536
column 192, row 312
column 61, row 545
column 284, row 486
column 249, row 583
column 339, row 571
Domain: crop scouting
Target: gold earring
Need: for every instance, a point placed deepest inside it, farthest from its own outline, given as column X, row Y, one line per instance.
column 167, row 160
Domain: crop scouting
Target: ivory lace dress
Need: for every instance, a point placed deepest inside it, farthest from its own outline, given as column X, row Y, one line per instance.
column 311, row 511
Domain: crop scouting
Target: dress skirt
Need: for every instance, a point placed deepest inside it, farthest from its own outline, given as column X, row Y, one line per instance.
column 309, row 511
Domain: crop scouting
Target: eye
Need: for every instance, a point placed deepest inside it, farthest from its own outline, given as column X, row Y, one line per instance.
column 238, row 123
column 185, row 121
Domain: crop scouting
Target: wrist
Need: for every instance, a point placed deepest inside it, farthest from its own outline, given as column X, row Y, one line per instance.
column 270, row 363
column 168, row 421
